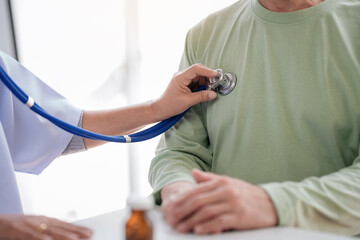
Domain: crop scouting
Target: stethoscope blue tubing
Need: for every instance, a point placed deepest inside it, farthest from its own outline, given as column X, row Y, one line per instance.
column 136, row 137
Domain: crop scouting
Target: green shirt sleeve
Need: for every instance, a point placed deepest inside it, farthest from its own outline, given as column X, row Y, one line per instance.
column 328, row 203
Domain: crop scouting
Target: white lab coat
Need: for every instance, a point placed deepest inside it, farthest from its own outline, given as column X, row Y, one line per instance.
column 28, row 142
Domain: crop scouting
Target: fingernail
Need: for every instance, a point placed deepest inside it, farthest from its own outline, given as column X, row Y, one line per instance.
column 212, row 95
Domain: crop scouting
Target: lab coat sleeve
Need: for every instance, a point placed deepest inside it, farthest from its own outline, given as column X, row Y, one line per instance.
column 183, row 147
column 33, row 141
column 328, row 203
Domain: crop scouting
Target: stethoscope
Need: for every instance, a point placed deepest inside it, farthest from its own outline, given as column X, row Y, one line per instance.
column 223, row 83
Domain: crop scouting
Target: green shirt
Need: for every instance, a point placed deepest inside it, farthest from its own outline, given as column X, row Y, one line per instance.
column 292, row 123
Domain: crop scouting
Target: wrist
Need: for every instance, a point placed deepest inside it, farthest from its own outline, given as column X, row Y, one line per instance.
column 270, row 215
column 175, row 188
column 155, row 108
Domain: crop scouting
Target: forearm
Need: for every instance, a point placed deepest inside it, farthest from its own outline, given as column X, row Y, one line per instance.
column 329, row 203
column 120, row 121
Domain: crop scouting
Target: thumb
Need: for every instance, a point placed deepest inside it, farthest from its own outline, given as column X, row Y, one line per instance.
column 203, row 96
column 200, row 176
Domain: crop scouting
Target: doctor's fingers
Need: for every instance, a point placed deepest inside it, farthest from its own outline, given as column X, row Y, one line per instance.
column 70, row 229
column 56, row 229
column 57, row 233
column 28, row 233
column 193, row 72
column 65, row 232
column 202, row 96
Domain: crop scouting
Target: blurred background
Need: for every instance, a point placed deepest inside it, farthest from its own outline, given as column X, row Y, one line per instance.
column 99, row 54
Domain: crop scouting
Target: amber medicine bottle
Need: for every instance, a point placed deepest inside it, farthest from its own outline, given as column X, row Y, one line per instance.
column 138, row 225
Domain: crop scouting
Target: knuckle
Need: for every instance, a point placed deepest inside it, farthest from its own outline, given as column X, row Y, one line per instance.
column 177, row 74
column 197, row 65
column 231, row 192
column 223, row 181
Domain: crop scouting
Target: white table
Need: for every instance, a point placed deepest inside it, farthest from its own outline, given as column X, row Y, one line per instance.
column 110, row 226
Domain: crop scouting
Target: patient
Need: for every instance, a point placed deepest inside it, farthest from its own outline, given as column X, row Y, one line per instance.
column 283, row 147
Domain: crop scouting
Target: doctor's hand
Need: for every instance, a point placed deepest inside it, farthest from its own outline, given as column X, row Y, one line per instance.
column 22, row 227
column 216, row 204
column 178, row 96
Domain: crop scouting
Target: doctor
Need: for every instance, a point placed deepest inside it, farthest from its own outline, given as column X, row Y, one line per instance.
column 29, row 143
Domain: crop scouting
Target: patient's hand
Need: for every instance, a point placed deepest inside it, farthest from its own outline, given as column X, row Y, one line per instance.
column 170, row 196
column 215, row 204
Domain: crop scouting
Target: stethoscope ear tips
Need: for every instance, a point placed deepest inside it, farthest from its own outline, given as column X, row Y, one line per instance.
column 223, row 83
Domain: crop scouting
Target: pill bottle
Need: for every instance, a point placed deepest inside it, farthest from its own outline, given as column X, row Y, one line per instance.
column 138, row 225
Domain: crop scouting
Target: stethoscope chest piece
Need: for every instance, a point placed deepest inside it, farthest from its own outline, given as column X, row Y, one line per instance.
column 223, row 83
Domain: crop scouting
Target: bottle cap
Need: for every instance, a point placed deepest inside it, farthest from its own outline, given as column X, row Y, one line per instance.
column 137, row 202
